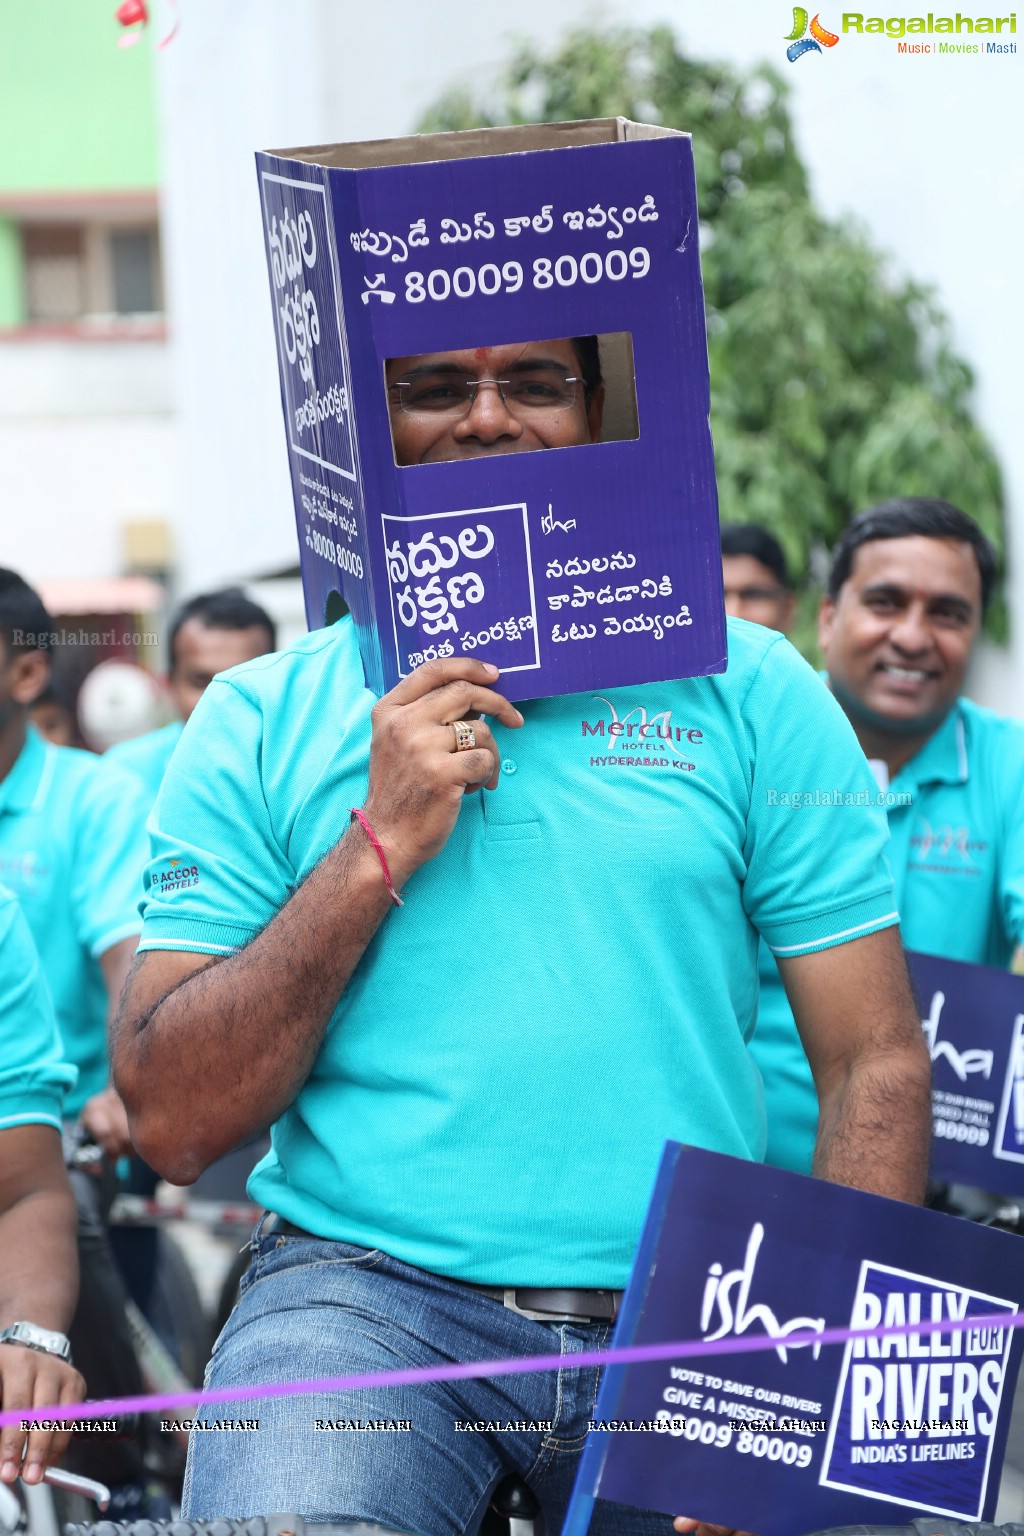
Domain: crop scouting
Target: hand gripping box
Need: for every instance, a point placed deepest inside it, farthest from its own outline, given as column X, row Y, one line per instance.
column 403, row 272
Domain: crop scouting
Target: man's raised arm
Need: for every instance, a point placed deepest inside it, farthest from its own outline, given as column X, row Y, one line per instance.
column 208, row 1051
column 862, row 1034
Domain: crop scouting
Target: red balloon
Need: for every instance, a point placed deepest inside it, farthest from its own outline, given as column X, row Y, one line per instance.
column 131, row 11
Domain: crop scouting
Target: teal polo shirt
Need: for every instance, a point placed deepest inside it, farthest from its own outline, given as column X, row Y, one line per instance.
column 72, row 849
column 147, row 756
column 569, row 982
column 957, row 853
column 33, row 1073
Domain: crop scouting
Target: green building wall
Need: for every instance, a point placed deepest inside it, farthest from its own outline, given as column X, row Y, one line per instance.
column 77, row 115
column 11, row 302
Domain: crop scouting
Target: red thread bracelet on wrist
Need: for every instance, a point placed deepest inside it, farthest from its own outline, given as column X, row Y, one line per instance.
column 378, row 848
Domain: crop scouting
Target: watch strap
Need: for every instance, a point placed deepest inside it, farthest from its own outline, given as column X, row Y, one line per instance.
column 45, row 1340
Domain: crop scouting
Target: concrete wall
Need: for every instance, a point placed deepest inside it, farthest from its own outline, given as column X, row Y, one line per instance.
column 88, row 441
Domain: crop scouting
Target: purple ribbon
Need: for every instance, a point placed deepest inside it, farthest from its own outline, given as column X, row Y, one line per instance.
column 632, row 1354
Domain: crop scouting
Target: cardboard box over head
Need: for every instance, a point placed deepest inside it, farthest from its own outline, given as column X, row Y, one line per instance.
column 495, row 384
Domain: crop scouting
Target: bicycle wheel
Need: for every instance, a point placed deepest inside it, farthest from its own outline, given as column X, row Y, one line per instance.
column 176, row 1310
column 45, row 1509
column 228, row 1295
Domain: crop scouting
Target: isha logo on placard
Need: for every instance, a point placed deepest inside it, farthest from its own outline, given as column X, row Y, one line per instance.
column 1009, row 1144
column 309, row 322
column 962, row 1063
column 727, row 1294
column 462, row 582
column 915, row 1414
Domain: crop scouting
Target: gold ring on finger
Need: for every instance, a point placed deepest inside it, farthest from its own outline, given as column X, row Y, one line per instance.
column 465, row 736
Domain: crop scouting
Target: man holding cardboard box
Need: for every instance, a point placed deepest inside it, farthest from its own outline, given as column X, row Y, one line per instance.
column 476, row 962
column 446, row 1160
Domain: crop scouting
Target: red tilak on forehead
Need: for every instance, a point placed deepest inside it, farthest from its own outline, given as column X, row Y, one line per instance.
column 480, row 353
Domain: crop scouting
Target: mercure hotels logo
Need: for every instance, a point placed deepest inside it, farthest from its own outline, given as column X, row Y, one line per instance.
column 639, row 740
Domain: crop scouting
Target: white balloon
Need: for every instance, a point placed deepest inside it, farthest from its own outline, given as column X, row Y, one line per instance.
column 117, row 701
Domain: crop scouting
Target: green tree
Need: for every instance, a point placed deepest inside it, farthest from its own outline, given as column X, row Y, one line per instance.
column 833, row 380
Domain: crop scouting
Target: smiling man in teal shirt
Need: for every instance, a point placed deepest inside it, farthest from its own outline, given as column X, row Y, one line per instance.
column 909, row 583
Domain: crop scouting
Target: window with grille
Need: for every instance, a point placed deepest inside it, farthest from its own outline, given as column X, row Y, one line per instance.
column 77, row 271
column 54, row 256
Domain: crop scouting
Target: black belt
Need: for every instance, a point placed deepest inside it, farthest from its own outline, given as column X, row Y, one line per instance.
column 544, row 1305
column 553, row 1306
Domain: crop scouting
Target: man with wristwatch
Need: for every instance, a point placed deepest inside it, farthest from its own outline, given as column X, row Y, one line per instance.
column 38, row 1261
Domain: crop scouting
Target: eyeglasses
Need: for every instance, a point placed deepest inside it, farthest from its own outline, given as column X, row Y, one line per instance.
column 440, row 393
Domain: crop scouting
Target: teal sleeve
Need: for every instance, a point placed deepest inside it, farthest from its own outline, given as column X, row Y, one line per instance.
column 817, row 874
column 1011, row 886
column 216, row 874
column 790, row 1102
column 109, row 857
column 147, row 756
column 33, row 1073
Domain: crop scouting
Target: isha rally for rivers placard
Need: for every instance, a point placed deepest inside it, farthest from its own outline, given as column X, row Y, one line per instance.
column 973, row 1021
column 807, row 1435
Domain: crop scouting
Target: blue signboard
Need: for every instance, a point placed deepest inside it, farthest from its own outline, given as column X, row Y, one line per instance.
column 805, row 1435
column 589, row 565
column 973, row 1021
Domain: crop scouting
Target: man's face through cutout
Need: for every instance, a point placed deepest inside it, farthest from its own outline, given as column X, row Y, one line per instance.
column 488, row 400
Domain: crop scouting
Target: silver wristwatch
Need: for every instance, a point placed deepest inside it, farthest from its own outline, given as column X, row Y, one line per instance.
column 38, row 1338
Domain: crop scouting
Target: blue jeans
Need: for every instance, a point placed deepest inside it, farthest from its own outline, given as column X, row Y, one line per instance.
column 312, row 1308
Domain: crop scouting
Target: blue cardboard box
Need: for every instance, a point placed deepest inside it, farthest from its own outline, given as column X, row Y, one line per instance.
column 585, row 565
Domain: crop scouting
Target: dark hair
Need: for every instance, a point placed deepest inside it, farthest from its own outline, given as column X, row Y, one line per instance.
column 588, row 354
column 25, row 624
column 227, row 609
column 908, row 517
column 762, row 546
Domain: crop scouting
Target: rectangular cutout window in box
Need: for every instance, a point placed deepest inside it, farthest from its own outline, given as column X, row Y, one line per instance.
column 518, row 397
